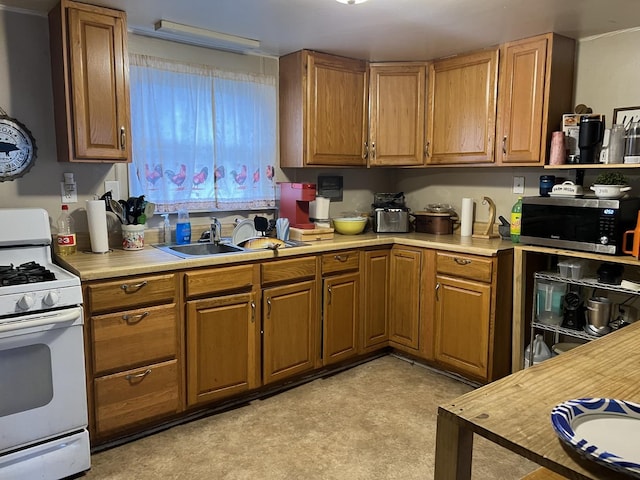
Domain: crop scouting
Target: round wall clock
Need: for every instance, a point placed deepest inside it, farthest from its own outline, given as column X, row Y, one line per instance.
column 17, row 148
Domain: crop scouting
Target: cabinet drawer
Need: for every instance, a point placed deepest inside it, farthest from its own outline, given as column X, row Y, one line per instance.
column 340, row 261
column 131, row 292
column 134, row 337
column 136, row 396
column 286, row 270
column 466, row 266
column 216, row 280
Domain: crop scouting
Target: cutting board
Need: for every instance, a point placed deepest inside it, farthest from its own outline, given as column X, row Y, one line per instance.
column 310, row 235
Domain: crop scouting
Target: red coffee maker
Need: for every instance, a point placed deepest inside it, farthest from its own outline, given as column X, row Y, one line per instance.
column 294, row 203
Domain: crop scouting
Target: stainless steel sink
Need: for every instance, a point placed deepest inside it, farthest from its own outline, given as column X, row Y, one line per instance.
column 200, row 249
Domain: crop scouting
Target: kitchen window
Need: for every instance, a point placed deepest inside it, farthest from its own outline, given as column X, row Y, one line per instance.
column 203, row 139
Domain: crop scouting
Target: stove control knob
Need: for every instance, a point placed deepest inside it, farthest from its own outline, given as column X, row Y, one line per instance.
column 51, row 298
column 26, row 301
column 604, row 240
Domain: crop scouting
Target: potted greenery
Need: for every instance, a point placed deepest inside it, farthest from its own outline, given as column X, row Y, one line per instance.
column 610, row 185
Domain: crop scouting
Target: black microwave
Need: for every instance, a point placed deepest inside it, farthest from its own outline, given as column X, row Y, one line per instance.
column 586, row 224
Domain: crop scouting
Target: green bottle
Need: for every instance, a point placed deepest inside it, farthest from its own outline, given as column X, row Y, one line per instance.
column 516, row 215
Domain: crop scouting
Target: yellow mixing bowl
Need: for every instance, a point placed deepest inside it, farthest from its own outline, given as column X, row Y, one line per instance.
column 349, row 225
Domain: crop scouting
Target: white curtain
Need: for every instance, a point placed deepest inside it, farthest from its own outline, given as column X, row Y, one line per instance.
column 203, row 139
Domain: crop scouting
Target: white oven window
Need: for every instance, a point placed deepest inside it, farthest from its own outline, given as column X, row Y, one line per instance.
column 26, row 373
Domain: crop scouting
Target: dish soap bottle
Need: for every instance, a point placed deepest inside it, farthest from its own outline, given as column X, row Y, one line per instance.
column 516, row 215
column 66, row 239
column 183, row 228
column 166, row 229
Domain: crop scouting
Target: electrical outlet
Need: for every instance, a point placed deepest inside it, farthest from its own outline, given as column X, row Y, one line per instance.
column 518, row 185
column 68, row 192
column 113, row 186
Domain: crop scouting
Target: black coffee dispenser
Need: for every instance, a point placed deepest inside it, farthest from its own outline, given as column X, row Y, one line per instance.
column 590, row 138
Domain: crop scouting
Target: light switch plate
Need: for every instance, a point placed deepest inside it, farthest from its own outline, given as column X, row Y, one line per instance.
column 518, row 184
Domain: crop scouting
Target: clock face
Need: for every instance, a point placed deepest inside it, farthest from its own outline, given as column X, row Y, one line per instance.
column 17, row 149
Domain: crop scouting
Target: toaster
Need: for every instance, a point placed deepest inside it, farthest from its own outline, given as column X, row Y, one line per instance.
column 391, row 220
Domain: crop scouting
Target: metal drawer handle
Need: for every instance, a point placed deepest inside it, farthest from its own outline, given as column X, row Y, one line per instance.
column 123, row 138
column 138, row 375
column 365, row 153
column 341, row 258
column 504, row 145
column 437, row 289
column 253, row 312
column 268, row 307
column 462, row 261
column 137, row 286
column 131, row 319
column 329, row 293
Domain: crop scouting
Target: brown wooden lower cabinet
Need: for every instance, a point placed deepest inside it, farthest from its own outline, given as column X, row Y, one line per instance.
column 472, row 324
column 404, row 297
column 340, row 317
column 375, row 299
column 136, row 396
column 288, row 324
column 223, row 337
column 462, row 325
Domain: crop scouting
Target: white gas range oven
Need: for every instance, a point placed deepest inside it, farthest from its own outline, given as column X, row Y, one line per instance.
column 43, row 402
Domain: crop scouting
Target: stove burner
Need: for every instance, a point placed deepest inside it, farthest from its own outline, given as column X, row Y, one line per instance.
column 30, row 272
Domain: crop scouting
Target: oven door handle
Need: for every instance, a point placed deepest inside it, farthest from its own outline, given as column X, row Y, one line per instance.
column 41, row 320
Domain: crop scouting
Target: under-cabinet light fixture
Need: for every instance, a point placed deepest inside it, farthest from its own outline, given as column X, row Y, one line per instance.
column 351, row 2
column 203, row 37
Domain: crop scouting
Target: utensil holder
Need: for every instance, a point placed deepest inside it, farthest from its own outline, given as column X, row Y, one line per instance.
column 132, row 237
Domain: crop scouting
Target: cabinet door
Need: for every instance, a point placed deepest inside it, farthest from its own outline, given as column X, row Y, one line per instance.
column 404, row 298
column 462, row 324
column 462, row 109
column 336, row 110
column 375, row 324
column 521, row 101
column 288, row 325
column 99, row 86
column 396, row 114
column 340, row 318
column 222, row 347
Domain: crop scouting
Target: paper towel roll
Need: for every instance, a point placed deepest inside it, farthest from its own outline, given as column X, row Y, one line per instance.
column 466, row 217
column 97, row 220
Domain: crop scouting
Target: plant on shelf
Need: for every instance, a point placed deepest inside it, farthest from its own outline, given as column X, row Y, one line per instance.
column 611, row 178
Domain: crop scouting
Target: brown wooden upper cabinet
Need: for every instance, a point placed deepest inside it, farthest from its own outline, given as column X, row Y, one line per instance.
column 500, row 106
column 90, row 71
column 397, row 114
column 323, row 105
column 461, row 109
column 536, row 88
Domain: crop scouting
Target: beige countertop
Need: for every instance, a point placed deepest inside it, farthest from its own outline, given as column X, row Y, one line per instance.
column 118, row 262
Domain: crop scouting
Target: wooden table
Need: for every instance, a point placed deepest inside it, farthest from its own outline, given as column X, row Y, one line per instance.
column 514, row 412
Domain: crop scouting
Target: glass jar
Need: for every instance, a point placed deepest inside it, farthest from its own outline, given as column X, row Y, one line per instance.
column 546, row 184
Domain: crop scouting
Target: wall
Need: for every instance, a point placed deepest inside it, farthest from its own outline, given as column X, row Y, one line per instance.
column 608, row 76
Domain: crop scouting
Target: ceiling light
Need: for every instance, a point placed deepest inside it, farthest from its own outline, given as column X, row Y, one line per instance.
column 203, row 38
column 351, row 2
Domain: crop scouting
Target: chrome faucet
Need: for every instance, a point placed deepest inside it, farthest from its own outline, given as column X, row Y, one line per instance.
column 215, row 231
